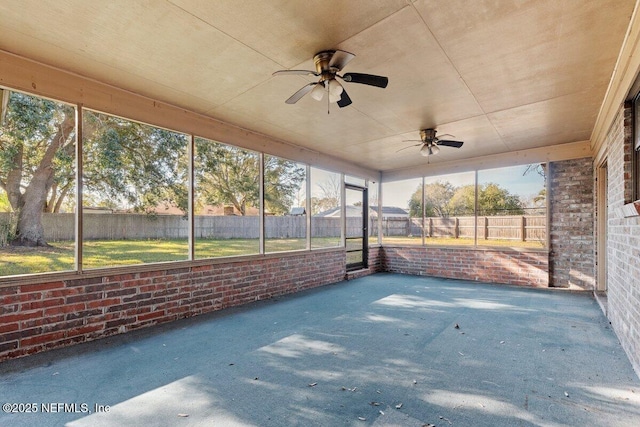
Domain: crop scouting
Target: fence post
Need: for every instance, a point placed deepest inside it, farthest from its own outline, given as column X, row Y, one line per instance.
column 523, row 228
column 485, row 229
column 456, row 228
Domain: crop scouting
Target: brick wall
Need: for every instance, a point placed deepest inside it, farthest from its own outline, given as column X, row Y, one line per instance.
column 623, row 244
column 521, row 267
column 571, row 231
column 39, row 316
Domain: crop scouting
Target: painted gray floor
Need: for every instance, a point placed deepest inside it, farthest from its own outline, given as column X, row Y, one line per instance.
column 381, row 350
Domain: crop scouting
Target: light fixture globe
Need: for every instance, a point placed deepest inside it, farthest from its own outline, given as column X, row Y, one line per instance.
column 318, row 91
column 335, row 90
column 429, row 149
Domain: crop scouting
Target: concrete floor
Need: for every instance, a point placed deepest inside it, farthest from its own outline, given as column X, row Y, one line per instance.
column 381, row 350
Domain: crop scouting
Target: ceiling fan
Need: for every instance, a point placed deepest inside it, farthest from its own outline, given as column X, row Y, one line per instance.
column 328, row 64
column 431, row 143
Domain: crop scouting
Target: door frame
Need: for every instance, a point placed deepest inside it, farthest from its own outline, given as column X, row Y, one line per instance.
column 365, row 230
column 602, row 220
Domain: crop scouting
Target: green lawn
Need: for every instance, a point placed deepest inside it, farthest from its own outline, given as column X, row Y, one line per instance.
column 112, row 253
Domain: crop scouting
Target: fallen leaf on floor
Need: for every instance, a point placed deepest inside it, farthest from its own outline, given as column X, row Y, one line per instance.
column 445, row 419
column 399, row 405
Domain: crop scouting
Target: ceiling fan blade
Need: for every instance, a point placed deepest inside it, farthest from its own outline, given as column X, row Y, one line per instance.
column 445, row 134
column 299, row 94
column 366, row 79
column 340, row 59
column 447, row 143
column 344, row 99
column 303, row 72
column 414, row 145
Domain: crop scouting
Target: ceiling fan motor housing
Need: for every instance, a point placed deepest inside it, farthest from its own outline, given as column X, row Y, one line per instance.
column 428, row 135
column 321, row 61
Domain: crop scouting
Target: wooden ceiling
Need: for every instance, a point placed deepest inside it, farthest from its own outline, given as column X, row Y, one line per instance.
column 503, row 76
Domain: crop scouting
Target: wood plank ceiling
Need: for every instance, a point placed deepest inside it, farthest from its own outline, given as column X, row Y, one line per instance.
column 500, row 75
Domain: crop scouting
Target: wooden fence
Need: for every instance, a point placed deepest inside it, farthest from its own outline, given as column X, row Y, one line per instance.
column 507, row 227
column 60, row 227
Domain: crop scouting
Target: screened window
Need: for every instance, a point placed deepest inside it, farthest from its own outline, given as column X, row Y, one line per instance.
column 135, row 193
column 505, row 207
column 226, row 200
column 285, row 221
column 326, row 212
column 37, row 185
column 401, row 213
column 449, row 206
column 512, row 206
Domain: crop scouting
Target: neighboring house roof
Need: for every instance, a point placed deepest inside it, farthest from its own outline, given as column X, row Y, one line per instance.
column 352, row 211
column 297, row 211
column 388, row 211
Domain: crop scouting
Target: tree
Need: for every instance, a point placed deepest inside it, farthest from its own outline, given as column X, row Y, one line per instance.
column 231, row 175
column 123, row 159
column 495, row 200
column 126, row 164
column 227, row 175
column 443, row 199
column 36, row 140
column 492, row 200
column 463, row 201
column 436, row 200
column 132, row 165
column 282, row 179
column 329, row 197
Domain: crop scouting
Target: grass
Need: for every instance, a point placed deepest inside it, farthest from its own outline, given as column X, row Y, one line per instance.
column 113, row 253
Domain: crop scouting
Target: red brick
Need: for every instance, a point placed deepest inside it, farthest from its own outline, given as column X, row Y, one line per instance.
column 41, row 287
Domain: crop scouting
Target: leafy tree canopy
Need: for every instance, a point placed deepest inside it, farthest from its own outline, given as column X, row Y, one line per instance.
column 125, row 165
column 443, row 199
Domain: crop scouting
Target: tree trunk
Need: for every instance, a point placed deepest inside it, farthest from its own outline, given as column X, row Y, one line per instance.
column 30, row 231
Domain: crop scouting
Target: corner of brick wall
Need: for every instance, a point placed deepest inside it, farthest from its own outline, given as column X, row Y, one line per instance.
column 571, row 219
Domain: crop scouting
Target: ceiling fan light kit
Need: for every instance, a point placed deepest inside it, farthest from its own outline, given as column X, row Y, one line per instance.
column 328, row 64
column 428, row 150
